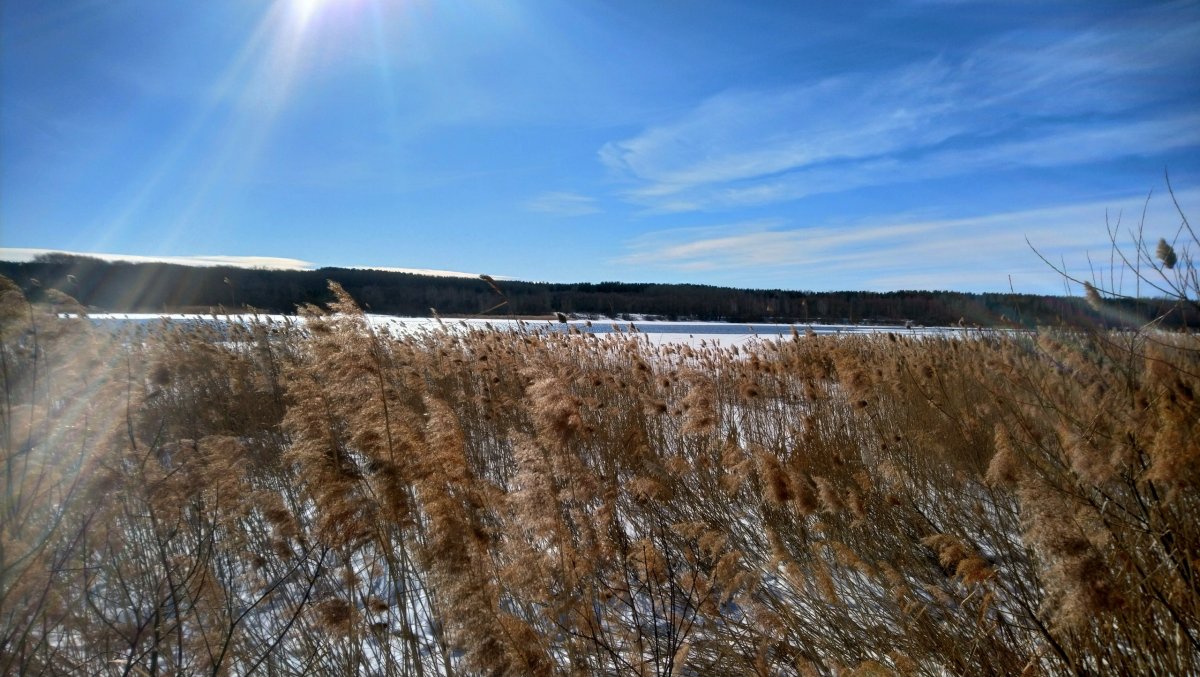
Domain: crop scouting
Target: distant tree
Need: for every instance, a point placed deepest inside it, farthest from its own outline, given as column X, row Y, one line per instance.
column 64, row 258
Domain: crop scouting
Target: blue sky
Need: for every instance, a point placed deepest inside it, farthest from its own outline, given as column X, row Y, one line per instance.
column 815, row 145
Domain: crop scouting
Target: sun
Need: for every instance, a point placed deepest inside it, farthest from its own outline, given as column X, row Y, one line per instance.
column 304, row 12
column 306, row 9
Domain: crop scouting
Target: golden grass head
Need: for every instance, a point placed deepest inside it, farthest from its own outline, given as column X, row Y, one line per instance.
column 1092, row 294
column 1165, row 253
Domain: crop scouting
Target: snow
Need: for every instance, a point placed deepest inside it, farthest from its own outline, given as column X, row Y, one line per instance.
column 655, row 332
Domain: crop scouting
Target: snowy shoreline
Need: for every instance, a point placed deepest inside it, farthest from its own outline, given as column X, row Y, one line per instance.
column 654, row 331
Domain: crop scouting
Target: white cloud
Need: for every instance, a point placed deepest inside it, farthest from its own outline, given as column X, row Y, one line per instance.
column 969, row 252
column 267, row 262
column 741, row 135
column 563, row 204
column 1051, row 149
column 1022, row 100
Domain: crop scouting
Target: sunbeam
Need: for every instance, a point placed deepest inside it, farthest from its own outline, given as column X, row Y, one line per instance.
column 181, row 149
column 241, row 111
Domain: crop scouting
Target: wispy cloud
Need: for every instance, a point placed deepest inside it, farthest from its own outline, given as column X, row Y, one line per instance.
column 1021, row 100
column 741, row 135
column 1054, row 147
column 563, row 204
column 903, row 253
column 267, row 262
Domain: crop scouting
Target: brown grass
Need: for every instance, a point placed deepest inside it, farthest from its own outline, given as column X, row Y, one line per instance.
column 329, row 498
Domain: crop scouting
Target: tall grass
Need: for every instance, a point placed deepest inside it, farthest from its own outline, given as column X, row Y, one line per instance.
column 326, row 497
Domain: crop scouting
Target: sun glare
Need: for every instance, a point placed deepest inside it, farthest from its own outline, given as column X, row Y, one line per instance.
column 307, row 9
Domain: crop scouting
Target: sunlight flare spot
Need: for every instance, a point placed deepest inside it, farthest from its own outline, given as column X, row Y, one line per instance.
column 305, row 9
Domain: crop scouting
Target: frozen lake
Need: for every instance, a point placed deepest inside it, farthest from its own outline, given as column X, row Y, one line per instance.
column 654, row 331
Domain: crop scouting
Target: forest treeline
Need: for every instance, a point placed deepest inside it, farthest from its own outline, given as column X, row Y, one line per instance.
column 319, row 497
column 160, row 287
